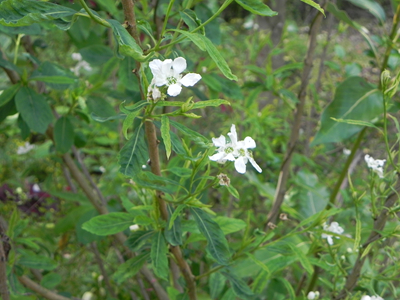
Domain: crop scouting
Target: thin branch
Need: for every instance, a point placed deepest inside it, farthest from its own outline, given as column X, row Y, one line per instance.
column 103, row 270
column 3, row 268
column 285, row 168
column 30, row 284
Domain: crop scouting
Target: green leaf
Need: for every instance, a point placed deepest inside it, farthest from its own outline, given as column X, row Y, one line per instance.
column 373, row 7
column 33, row 29
column 128, row 122
column 132, row 108
column 12, row 223
column 96, row 55
column 55, row 76
column 315, row 5
column 230, row 225
column 191, row 19
column 8, row 94
column 175, row 215
column 134, row 154
column 27, row 12
column 34, row 109
column 51, row 280
column 126, row 44
column 34, row 261
column 216, row 283
column 173, row 234
column 257, row 7
column 193, row 135
column 137, row 238
column 205, row 44
column 63, row 134
column 357, row 122
column 214, row 102
column 9, row 65
column 233, row 191
column 289, row 288
column 159, row 256
column 25, row 131
column 152, row 181
column 304, row 261
column 216, row 241
column 108, row 224
column 84, row 236
column 105, row 119
column 165, row 135
column 354, row 99
column 240, row 288
column 130, row 268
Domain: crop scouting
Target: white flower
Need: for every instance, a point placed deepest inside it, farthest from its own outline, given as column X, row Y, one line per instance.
column 168, row 72
column 153, row 92
column 36, row 188
column 313, row 295
column 333, row 227
column 87, row 296
column 366, row 297
column 134, row 227
column 25, row 149
column 346, row 152
column 81, row 64
column 237, row 151
column 375, row 164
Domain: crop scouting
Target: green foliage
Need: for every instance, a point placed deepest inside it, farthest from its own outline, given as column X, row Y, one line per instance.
column 108, row 224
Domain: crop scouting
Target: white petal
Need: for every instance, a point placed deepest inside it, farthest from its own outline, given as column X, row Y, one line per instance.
column 155, row 67
column 240, row 165
column 166, row 67
column 218, row 156
column 233, row 135
column 254, row 164
column 179, row 65
column 230, row 157
column 219, row 142
column 249, row 143
column 190, row 79
column 174, row 89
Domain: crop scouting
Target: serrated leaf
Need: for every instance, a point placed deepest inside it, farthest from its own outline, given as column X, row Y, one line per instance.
column 108, row 224
column 257, row 7
column 205, row 44
column 126, row 44
column 137, row 238
column 354, row 99
column 165, row 135
column 173, row 234
column 240, row 288
column 159, row 255
column 315, row 5
column 8, row 94
column 134, row 154
column 216, row 241
column 34, row 109
column 63, row 135
column 27, row 12
column 130, row 268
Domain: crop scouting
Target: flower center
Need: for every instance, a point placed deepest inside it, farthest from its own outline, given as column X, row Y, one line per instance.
column 229, row 150
column 172, row 80
column 242, row 152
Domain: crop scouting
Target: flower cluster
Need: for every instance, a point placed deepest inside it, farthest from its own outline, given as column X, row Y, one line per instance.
column 168, row 73
column 25, row 148
column 81, row 64
column 313, row 295
column 366, row 297
column 234, row 150
column 333, row 227
column 375, row 164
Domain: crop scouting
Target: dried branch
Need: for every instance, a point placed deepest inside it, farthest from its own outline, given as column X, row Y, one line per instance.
column 285, row 168
column 30, row 284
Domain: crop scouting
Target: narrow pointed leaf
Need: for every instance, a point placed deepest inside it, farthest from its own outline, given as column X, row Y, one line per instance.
column 165, row 135
column 191, row 19
column 134, row 154
column 315, row 5
column 373, row 7
column 257, row 7
column 63, row 134
column 193, row 135
column 217, row 244
column 240, row 288
column 205, row 44
column 214, row 102
column 159, row 255
column 138, row 238
column 130, row 268
column 34, row 109
column 128, row 122
column 108, row 224
column 173, row 234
